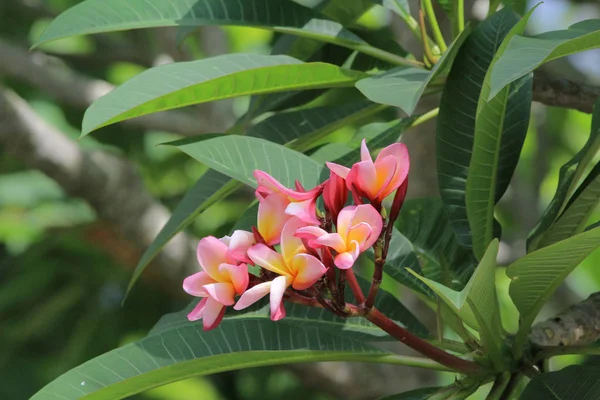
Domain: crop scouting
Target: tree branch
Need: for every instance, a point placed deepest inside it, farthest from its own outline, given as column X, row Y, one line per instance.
column 558, row 92
column 110, row 184
column 50, row 76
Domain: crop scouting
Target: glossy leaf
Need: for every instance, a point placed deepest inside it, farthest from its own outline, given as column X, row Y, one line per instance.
column 568, row 178
column 477, row 304
column 537, row 275
column 222, row 77
column 500, row 129
column 575, row 382
column 96, row 16
column 425, row 224
column 403, row 86
column 184, row 352
column 525, row 54
column 456, row 119
column 417, row 394
column 238, row 157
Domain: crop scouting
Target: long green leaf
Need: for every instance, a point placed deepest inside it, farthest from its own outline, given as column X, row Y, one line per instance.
column 500, row 129
column 403, row 86
column 187, row 351
column 537, row 275
column 456, row 120
column 424, row 222
column 238, row 157
column 568, row 178
column 96, row 16
column 576, row 382
column 575, row 217
column 524, row 54
column 477, row 304
column 231, row 75
column 417, row 394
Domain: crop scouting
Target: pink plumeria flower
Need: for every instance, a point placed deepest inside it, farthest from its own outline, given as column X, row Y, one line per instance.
column 294, row 266
column 300, row 204
column 221, row 277
column 376, row 180
column 358, row 228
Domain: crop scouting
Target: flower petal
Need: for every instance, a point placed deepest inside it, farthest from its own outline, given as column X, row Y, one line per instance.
column 360, row 233
column 333, row 240
column 237, row 274
column 309, row 268
column 303, row 210
column 267, row 183
column 344, row 260
column 272, row 217
column 279, row 313
column 290, row 244
column 211, row 253
column 399, row 153
column 213, row 314
column 194, row 284
column 239, row 243
column 364, row 177
column 338, row 169
column 224, row 293
column 268, row 259
column 344, row 221
column 253, row 295
column 365, row 154
column 198, row 311
column 278, row 287
column 368, row 214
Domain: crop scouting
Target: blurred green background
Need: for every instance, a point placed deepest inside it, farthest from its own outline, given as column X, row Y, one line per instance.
column 64, row 269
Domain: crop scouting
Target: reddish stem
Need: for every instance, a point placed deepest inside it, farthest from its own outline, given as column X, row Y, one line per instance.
column 418, row 344
column 354, row 286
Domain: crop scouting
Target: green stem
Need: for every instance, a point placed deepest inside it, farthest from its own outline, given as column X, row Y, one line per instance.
column 513, row 384
column 433, row 23
column 417, row 362
column 549, row 352
column 413, row 25
column 459, row 17
column 425, row 117
column 499, row 386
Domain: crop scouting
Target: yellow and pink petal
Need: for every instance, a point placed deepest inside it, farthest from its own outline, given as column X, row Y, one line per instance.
column 309, row 270
column 272, row 217
column 194, row 284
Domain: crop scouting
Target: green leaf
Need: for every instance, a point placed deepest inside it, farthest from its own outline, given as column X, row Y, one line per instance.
column 417, row 394
column 500, row 129
column 537, row 275
column 575, row 382
column 568, row 178
column 525, row 54
column 307, row 126
column 477, row 304
column 96, row 16
column 456, row 119
column 184, row 352
column 424, row 223
column 231, row 75
column 238, row 157
column 403, row 86
column 575, row 217
column 209, row 189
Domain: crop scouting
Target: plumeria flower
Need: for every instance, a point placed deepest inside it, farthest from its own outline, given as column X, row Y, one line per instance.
column 221, row 277
column 335, row 194
column 376, row 180
column 358, row 228
column 300, row 204
column 294, row 266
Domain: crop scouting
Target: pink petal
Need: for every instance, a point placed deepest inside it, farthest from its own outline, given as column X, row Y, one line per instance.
column 365, row 154
column 211, row 253
column 290, row 244
column 337, row 169
column 253, row 295
column 272, row 217
column 239, row 244
column 386, row 170
column 364, row 177
column 193, row 284
column 268, row 259
column 333, row 240
column 344, row 260
column 309, row 268
column 224, row 293
column 279, row 313
column 344, row 221
column 303, row 210
column 368, row 214
column 213, row 314
column 237, row 274
column 396, row 150
column 360, row 233
column 268, row 183
column 198, row 311
column 278, row 287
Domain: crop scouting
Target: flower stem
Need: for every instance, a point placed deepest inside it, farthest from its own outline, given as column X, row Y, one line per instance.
column 429, row 58
column 354, row 286
column 425, row 117
column 423, row 347
column 433, row 23
column 459, row 17
column 413, row 25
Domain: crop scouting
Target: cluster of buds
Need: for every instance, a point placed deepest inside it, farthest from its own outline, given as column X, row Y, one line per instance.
column 304, row 255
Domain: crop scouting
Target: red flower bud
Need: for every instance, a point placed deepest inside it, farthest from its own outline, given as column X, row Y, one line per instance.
column 335, row 194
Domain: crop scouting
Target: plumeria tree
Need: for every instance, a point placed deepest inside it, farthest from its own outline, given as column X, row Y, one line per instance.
column 300, row 276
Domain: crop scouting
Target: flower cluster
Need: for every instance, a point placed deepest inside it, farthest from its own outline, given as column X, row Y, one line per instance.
column 296, row 246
